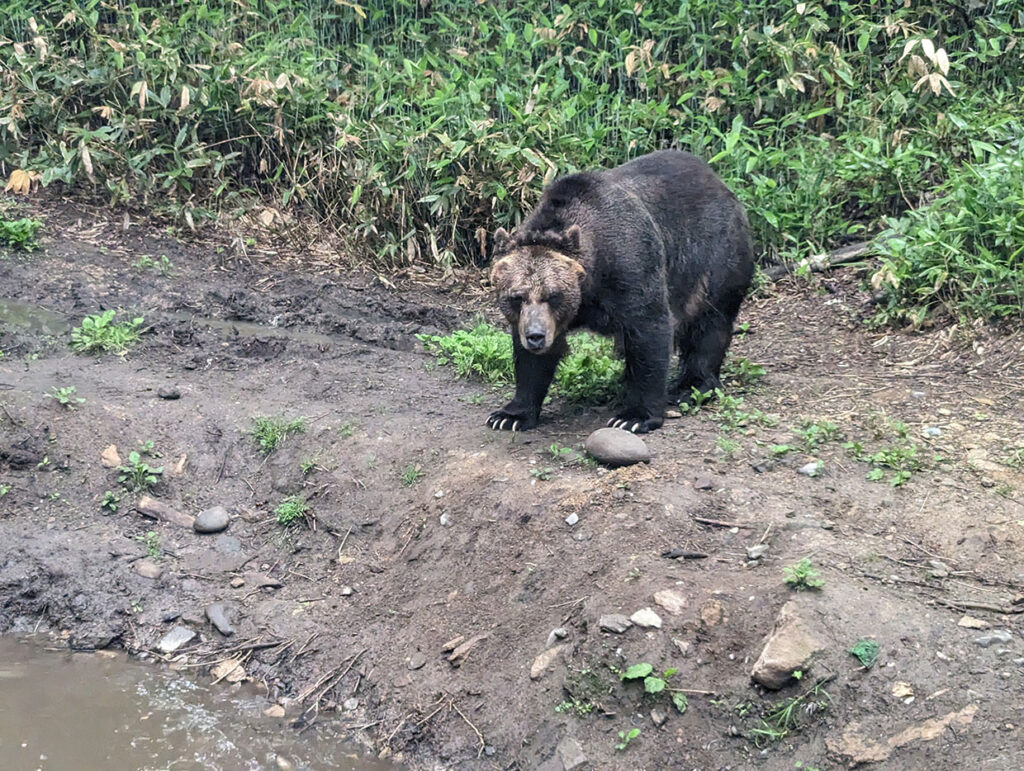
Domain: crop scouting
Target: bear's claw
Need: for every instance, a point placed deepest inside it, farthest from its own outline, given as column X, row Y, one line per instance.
column 501, row 422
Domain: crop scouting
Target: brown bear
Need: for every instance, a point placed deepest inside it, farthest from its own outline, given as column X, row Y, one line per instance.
column 656, row 252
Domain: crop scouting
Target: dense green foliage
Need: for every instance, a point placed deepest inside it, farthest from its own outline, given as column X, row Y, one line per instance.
column 415, row 126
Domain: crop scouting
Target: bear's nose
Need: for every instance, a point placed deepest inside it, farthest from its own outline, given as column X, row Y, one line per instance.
column 535, row 340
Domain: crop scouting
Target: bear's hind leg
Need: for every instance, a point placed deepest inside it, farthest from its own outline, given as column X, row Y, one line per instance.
column 702, row 346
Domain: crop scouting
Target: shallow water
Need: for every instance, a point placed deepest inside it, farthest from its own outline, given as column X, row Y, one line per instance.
column 63, row 711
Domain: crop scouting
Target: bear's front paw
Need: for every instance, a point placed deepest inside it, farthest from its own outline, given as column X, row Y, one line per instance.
column 511, row 418
column 638, row 420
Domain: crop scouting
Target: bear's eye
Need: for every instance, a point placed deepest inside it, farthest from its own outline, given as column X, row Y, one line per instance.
column 554, row 299
column 515, row 300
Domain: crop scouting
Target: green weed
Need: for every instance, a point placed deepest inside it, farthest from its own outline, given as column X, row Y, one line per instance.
column 291, row 509
column 99, row 333
column 65, row 396
column 152, row 543
column 162, row 265
column 110, row 501
column 4, row 489
column 412, row 474
column 866, row 652
column 626, row 737
column 578, row 707
column 656, row 684
column 815, row 433
column 742, row 371
column 899, row 461
column 19, row 234
column 784, row 719
column 802, row 576
column 308, row 465
column 137, row 475
column 269, row 432
column 542, row 474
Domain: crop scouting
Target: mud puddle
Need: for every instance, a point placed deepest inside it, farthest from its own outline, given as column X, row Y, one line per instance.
column 92, row 711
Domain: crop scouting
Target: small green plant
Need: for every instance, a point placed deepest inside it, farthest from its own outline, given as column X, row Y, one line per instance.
column 626, row 737
column 728, row 447
column 731, row 414
column 163, row 265
column 802, row 576
column 110, row 501
column 65, row 396
column 291, row 509
column 901, row 460
column 137, row 475
column 4, row 489
column 20, row 234
column 543, row 474
column 560, row 454
column 779, row 450
column 148, row 447
column 784, row 718
column 412, row 474
column 308, row 465
column 743, row 371
column 655, row 684
column 578, row 707
column 866, row 652
column 152, row 543
column 347, row 429
column 268, row 432
column 815, row 434
column 99, row 333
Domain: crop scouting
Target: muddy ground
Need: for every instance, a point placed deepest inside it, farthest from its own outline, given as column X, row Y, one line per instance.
column 427, row 527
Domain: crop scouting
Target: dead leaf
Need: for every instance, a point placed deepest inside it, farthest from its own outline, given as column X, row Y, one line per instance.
column 969, row 622
column 902, row 690
column 230, row 670
column 185, row 99
column 20, row 182
column 544, row 660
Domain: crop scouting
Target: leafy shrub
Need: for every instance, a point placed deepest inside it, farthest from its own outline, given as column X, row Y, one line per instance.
column 99, row 333
column 19, row 234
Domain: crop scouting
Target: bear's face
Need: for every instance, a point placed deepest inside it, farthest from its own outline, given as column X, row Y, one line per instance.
column 539, row 292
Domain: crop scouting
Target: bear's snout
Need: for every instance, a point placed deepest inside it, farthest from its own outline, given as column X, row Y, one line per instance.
column 535, row 341
column 535, row 328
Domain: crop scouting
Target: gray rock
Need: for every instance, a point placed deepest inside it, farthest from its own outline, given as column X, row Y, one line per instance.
column 173, row 640
column 932, row 431
column 615, row 447
column 556, row 634
column 212, row 520
column 675, row 602
column 614, row 622
column 995, row 636
column 572, row 519
column 350, row 704
column 346, row 591
column 658, row 717
column 446, row 520
column 571, row 754
column 218, row 613
column 416, row 661
column 756, row 552
column 647, row 618
column 790, row 647
column 169, row 393
column 147, row 568
column 703, row 483
column 810, row 469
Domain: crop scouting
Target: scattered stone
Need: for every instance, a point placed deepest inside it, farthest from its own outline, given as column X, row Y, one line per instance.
column 936, row 565
column 346, row 591
column 147, row 568
column 860, row 745
column 173, row 640
column 711, row 613
column 230, row 670
column 684, row 647
column 756, row 552
column 177, row 468
column 571, row 754
column 572, row 519
column 350, row 704
column 109, row 457
column 446, row 521
column 170, row 394
column 560, row 633
column 969, row 622
column 154, row 509
column 544, row 660
column 259, row 580
column 996, row 636
column 615, row 447
column 646, row 617
column 658, row 717
column 673, row 601
column 932, row 431
column 790, row 647
column 673, row 414
column 812, row 469
column 237, row 582
column 212, row 520
column 703, row 483
column 902, row 690
column 274, row 710
column 614, row 622
column 416, row 661
column 459, row 655
column 218, row 615
column 283, row 764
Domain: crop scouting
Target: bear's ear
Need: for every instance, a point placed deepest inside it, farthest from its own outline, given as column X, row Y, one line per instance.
column 502, row 241
column 499, row 269
column 572, row 239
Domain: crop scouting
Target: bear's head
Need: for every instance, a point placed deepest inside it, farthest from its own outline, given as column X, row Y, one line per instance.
column 538, row 279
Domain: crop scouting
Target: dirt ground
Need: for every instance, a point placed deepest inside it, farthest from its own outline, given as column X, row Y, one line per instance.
column 428, row 527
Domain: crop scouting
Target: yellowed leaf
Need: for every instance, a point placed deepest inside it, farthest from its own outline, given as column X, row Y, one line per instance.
column 86, row 160
column 801, row 8
column 907, row 49
column 630, row 63
column 942, row 61
column 104, row 111
column 928, row 48
column 902, row 690
column 185, row 99
column 19, row 182
column 230, row 670
column 281, row 82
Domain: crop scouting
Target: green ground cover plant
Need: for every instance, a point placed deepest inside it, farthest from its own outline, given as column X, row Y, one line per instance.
column 416, row 130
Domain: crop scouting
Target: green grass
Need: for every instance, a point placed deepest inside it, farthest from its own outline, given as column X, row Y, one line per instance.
column 20, row 233
column 269, row 432
column 784, row 718
column 291, row 510
column 590, row 372
column 99, row 334
column 802, row 576
column 412, row 474
column 831, row 121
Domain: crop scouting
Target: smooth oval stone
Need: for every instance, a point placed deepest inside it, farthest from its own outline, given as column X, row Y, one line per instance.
column 212, row 520
column 615, row 447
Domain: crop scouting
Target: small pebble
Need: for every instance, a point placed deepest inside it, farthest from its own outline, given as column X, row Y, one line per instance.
column 147, row 568
column 237, row 582
column 416, row 661
column 810, row 469
column 999, row 635
column 346, row 591
column 572, row 519
column 169, row 393
column 614, row 622
column 932, row 431
column 350, row 704
column 756, row 552
column 218, row 615
column 647, row 618
column 173, row 640
column 212, row 520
